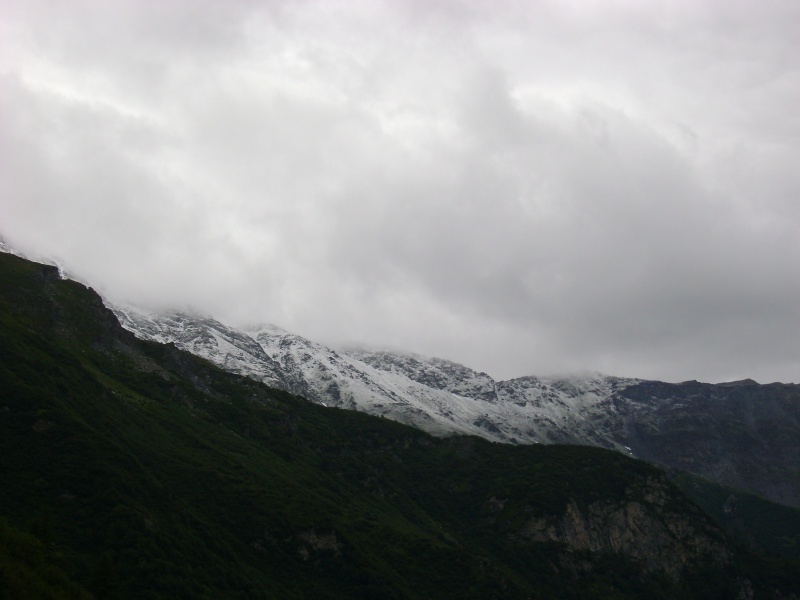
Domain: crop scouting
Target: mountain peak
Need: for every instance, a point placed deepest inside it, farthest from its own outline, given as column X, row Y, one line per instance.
column 739, row 382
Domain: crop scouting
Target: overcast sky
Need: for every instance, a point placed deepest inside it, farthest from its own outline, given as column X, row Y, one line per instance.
column 524, row 187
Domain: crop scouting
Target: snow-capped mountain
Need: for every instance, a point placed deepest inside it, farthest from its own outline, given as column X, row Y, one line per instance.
column 437, row 395
column 229, row 349
column 742, row 434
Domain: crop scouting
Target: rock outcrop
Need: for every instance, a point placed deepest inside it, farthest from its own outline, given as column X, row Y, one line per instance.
column 642, row 528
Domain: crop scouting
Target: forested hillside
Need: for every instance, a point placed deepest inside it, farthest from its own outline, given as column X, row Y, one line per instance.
column 130, row 469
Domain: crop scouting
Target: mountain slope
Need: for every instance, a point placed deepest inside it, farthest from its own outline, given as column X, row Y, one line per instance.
column 149, row 473
column 740, row 434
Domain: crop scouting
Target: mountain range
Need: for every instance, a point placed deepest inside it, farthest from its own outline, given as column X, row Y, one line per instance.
column 741, row 434
column 134, row 469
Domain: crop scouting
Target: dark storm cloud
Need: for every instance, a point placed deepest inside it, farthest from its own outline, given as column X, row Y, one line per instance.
column 526, row 188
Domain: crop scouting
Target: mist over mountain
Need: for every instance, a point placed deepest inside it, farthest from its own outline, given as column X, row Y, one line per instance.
column 534, row 266
column 522, row 187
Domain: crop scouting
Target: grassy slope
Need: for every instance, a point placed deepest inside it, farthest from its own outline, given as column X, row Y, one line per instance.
column 147, row 473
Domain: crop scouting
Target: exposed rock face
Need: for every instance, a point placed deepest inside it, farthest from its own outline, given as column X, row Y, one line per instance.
column 313, row 541
column 642, row 530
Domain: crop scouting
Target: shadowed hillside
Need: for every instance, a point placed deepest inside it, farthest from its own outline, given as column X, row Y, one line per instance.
column 136, row 470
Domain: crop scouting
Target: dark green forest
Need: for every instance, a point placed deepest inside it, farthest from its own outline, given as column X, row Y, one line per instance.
column 130, row 469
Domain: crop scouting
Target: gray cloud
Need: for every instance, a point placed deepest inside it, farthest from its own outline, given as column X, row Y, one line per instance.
column 526, row 188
